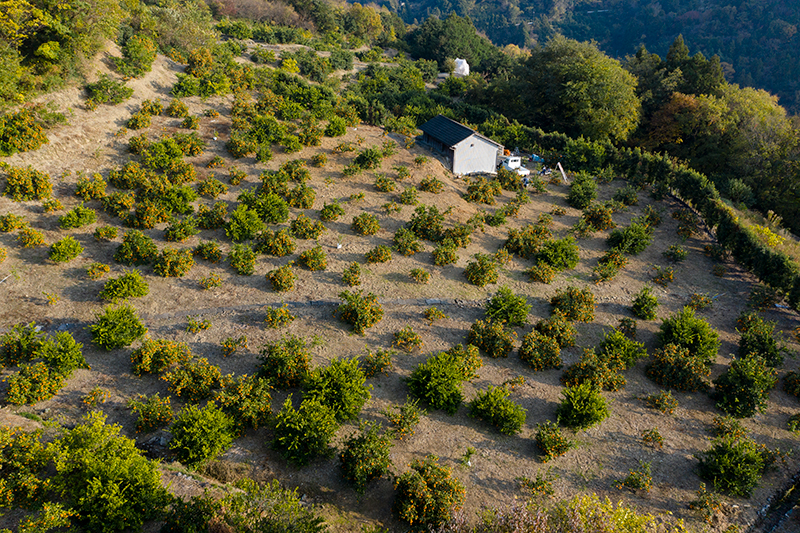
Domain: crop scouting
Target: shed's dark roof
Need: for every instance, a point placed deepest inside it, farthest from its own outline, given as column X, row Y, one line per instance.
column 447, row 131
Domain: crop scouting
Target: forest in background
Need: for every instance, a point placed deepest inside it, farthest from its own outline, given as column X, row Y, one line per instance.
column 755, row 40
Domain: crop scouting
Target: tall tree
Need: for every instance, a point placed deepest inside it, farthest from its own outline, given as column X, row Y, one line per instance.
column 574, row 88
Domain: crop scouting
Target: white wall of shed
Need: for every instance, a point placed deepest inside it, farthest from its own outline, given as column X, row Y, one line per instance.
column 474, row 154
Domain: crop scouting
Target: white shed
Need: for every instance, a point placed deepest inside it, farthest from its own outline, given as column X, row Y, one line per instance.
column 466, row 150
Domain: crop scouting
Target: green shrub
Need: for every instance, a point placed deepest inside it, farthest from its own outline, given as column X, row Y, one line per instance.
column 138, row 121
column 285, row 363
column 105, row 233
column 482, row 191
column 119, row 204
column 507, row 307
column 594, row 369
column 191, row 123
column 33, row 383
column 427, row 495
column 676, row 367
column 91, row 187
column 193, row 381
column 244, row 224
column 30, row 238
column 632, row 240
column 791, row 384
column 676, row 253
column 598, row 217
column 211, row 188
column 664, row 401
column 728, row 427
column 734, row 466
column 406, row 243
column 541, row 273
column 138, row 54
column 10, row 222
column 427, row 223
column 129, row 285
column 105, row 478
column 282, row 279
column 645, row 304
column 340, row 387
column 77, row 217
column 156, row 355
column 526, row 242
column 695, row 334
column 22, row 131
column 437, row 381
column 352, row 275
column 177, row 109
column 431, row 184
column 25, row 184
column 301, row 197
column 384, row 184
column 277, row 317
column 117, row 327
column 270, row 207
column 62, row 354
column 365, row 224
column 314, row 259
column 560, row 254
column 278, row 243
column 409, row 196
column 420, row 275
column 172, row 263
column 744, row 388
column 609, row 265
column 378, row 362
column 550, row 441
column 359, row 310
column 404, row 419
column 540, row 351
column 181, row 229
column 491, row 337
column 621, row 351
column 445, row 254
column 407, row 339
column 304, row 433
column 304, row 228
column 582, row 406
column 136, row 249
column 209, row 250
column 331, row 212
column 494, row 407
column 65, row 250
column 213, row 217
column 246, row 399
column 365, row 456
column 319, row 160
column 582, row 191
column 577, row 305
column 758, row 339
column 482, row 271
column 154, row 412
column 97, row 270
column 638, row 479
column 559, row 328
column 627, row 195
column 242, row 259
column 199, row 435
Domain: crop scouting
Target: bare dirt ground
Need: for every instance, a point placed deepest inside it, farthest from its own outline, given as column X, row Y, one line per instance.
column 91, row 143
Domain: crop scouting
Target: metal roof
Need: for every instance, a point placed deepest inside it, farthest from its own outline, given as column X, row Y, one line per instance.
column 448, row 131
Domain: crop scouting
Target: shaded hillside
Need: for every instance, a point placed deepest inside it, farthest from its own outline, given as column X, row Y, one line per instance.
column 756, row 41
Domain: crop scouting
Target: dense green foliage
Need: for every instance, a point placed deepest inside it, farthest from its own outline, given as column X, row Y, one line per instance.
column 199, row 435
column 339, row 386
